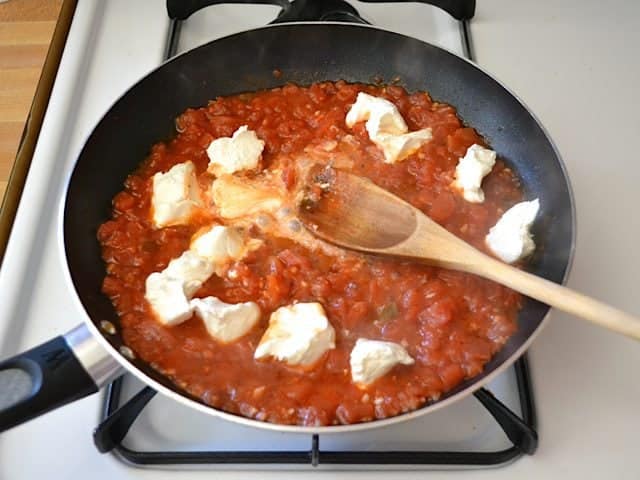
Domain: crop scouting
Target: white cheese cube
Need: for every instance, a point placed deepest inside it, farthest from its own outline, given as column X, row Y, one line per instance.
column 226, row 322
column 371, row 359
column 398, row 147
column 191, row 269
column 386, row 127
column 167, row 299
column 381, row 115
column 471, row 169
column 242, row 151
column 510, row 239
column 168, row 292
column 298, row 334
column 219, row 244
column 175, row 195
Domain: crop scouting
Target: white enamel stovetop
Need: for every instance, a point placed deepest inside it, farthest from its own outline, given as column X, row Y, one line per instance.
column 575, row 63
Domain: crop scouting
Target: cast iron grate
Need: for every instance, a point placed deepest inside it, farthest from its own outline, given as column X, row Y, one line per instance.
column 119, row 417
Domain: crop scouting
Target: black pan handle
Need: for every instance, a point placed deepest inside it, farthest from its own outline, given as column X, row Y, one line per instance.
column 183, row 9
column 458, row 9
column 51, row 375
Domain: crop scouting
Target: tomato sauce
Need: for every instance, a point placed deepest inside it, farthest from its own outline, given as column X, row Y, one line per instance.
column 451, row 323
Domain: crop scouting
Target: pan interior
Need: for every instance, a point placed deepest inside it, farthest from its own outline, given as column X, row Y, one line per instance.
column 307, row 53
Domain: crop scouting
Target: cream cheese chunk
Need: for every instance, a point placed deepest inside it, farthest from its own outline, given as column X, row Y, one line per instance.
column 398, row 147
column 472, row 168
column 381, row 115
column 168, row 292
column 298, row 334
column 386, row 127
column 242, row 151
column 371, row 359
column 226, row 322
column 175, row 196
column 167, row 299
column 192, row 269
column 220, row 245
column 510, row 239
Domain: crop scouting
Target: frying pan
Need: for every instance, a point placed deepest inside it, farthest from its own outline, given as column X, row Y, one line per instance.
column 79, row 363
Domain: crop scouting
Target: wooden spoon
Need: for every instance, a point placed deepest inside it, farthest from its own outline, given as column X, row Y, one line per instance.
column 354, row 213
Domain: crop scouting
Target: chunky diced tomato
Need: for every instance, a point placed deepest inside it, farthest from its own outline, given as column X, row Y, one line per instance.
column 450, row 322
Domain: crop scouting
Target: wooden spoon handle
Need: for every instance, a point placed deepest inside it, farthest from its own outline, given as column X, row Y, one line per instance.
column 558, row 296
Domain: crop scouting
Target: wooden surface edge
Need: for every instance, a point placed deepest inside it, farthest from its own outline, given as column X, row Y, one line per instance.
column 33, row 124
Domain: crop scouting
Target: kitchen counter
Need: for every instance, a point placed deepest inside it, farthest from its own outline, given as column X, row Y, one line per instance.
column 26, row 28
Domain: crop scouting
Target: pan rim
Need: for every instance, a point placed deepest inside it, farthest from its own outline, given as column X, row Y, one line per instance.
column 329, row 429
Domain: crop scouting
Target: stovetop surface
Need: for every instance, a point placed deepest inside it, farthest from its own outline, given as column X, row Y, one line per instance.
column 465, row 426
column 588, row 406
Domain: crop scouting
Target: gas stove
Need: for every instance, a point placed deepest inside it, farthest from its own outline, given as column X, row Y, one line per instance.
column 111, row 45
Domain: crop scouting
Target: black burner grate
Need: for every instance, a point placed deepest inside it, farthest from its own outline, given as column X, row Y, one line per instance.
column 119, row 417
column 313, row 10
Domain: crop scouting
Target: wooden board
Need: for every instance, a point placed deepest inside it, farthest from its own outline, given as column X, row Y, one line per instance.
column 26, row 29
